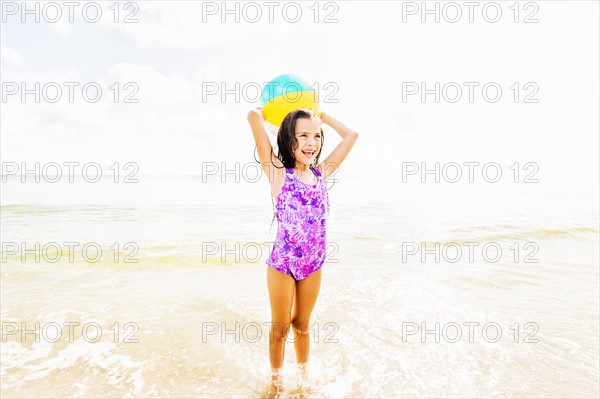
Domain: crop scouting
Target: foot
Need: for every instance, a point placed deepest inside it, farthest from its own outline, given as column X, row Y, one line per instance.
column 303, row 371
column 275, row 383
column 306, row 383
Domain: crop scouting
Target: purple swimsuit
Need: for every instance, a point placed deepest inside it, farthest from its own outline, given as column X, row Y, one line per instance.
column 302, row 210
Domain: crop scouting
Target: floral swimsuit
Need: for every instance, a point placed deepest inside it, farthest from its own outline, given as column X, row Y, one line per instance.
column 302, row 210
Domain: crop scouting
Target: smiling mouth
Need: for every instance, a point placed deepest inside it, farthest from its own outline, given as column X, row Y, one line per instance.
column 308, row 153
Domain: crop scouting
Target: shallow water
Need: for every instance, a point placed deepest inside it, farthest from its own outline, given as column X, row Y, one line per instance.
column 197, row 305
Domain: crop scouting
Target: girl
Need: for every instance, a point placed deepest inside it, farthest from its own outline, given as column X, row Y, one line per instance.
column 302, row 206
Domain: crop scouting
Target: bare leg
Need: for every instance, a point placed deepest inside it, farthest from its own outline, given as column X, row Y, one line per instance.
column 281, row 295
column 307, row 291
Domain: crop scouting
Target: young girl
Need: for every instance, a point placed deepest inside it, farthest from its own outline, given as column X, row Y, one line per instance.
column 302, row 206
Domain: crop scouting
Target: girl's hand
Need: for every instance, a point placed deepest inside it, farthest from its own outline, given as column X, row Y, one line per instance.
column 257, row 111
column 323, row 117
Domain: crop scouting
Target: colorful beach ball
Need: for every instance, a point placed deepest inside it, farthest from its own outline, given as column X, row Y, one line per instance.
column 285, row 94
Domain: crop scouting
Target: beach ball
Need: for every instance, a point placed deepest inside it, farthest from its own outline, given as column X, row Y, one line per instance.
column 285, row 94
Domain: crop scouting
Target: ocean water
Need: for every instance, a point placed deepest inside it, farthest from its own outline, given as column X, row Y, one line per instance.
column 169, row 296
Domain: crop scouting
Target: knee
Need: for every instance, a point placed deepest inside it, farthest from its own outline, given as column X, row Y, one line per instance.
column 280, row 331
column 300, row 326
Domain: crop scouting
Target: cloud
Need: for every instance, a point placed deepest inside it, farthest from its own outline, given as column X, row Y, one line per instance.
column 180, row 25
column 168, row 130
column 62, row 27
column 11, row 56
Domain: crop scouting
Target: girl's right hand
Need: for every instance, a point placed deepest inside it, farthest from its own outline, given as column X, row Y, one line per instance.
column 258, row 111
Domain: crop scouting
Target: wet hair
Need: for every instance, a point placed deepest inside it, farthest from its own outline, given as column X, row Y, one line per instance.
column 287, row 143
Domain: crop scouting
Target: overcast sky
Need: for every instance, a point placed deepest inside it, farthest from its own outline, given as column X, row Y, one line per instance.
column 366, row 58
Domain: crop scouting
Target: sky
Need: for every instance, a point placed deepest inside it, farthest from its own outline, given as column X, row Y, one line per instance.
column 364, row 57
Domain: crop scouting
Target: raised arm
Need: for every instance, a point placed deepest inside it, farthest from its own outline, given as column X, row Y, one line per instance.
column 330, row 164
column 265, row 150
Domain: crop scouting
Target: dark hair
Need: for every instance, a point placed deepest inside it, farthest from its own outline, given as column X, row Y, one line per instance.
column 287, row 142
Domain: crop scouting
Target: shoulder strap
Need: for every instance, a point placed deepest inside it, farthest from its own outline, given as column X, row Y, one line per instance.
column 316, row 170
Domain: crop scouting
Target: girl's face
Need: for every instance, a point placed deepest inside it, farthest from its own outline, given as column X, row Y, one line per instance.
column 308, row 134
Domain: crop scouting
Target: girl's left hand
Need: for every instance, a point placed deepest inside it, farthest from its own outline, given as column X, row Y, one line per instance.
column 322, row 116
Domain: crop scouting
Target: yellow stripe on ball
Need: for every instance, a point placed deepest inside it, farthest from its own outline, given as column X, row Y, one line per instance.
column 277, row 109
